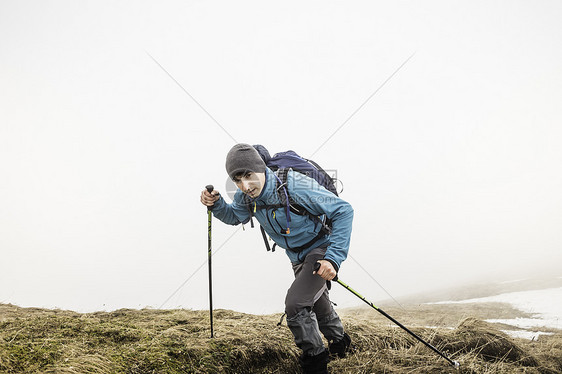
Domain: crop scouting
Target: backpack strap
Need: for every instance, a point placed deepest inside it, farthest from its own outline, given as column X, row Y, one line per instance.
column 320, row 235
column 264, row 236
column 252, row 207
column 283, row 194
column 292, row 206
column 329, row 182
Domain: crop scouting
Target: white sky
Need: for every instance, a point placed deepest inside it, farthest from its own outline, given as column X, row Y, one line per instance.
column 453, row 166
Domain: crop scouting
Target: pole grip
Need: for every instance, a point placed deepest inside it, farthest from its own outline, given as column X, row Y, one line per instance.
column 317, row 266
column 209, row 189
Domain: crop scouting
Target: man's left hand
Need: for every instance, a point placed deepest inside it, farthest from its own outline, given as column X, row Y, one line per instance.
column 326, row 270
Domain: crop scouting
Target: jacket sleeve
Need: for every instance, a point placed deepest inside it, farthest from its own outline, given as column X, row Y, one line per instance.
column 319, row 201
column 231, row 214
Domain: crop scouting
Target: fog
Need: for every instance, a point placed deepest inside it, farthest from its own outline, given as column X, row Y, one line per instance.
column 442, row 120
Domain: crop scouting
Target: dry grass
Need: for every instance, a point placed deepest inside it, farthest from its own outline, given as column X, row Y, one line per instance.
column 177, row 341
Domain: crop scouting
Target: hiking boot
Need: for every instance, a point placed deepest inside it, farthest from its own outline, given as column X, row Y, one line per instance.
column 341, row 347
column 317, row 364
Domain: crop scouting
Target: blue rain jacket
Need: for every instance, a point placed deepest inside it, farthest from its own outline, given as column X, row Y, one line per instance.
column 311, row 195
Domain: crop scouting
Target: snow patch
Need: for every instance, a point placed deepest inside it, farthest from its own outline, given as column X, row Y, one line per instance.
column 524, row 334
column 545, row 306
column 440, row 327
column 514, row 281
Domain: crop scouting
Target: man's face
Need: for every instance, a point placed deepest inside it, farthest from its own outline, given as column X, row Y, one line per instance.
column 250, row 183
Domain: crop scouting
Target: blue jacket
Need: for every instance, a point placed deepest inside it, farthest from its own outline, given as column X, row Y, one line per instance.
column 308, row 193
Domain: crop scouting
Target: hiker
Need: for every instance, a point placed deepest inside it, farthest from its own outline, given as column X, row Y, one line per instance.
column 304, row 238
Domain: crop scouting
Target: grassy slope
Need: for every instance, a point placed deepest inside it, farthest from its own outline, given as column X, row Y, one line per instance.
column 177, row 341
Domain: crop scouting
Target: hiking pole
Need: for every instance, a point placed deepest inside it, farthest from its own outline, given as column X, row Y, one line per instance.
column 455, row 364
column 210, row 189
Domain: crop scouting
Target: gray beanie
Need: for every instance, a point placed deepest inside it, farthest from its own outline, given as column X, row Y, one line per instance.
column 242, row 158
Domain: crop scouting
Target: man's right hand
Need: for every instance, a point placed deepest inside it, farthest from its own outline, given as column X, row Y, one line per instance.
column 208, row 199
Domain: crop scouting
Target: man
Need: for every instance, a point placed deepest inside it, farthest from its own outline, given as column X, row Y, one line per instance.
column 308, row 307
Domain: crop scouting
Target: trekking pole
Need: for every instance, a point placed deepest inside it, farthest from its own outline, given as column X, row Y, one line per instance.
column 210, row 189
column 455, row 364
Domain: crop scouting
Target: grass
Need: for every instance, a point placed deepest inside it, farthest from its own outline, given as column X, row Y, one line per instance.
column 178, row 341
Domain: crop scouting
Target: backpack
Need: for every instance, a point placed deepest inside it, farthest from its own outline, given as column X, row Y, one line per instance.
column 280, row 164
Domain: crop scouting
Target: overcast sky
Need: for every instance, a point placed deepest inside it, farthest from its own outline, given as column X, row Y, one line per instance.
column 442, row 119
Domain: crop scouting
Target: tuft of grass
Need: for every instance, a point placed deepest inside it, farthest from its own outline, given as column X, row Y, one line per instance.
column 178, row 341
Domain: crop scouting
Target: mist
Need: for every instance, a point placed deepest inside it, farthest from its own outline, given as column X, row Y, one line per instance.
column 441, row 120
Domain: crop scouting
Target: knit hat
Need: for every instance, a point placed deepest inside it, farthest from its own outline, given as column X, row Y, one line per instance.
column 243, row 158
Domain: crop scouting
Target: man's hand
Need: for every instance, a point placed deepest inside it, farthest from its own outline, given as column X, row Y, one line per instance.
column 208, row 199
column 326, row 270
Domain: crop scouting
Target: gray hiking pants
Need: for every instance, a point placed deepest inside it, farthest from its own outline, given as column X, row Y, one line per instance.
column 308, row 307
